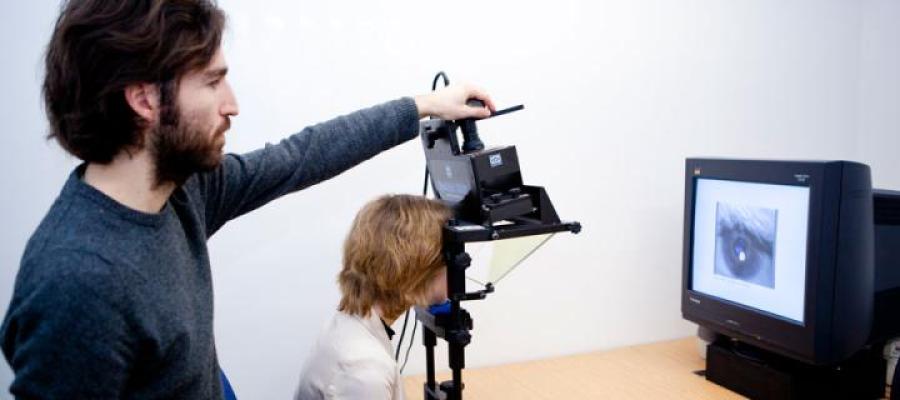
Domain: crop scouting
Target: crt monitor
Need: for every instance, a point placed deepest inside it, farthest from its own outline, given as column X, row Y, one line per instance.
column 779, row 254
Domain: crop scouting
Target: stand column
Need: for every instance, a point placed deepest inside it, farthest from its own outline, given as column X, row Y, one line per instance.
column 457, row 328
column 429, row 340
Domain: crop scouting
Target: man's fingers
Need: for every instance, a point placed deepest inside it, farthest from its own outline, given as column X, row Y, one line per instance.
column 481, row 112
column 480, row 94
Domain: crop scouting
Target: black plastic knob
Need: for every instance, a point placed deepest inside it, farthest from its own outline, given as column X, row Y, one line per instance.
column 471, row 141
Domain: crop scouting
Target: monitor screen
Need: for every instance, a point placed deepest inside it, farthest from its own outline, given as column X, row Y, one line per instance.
column 749, row 245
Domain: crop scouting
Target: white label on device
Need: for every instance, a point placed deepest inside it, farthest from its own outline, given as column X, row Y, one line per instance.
column 495, row 160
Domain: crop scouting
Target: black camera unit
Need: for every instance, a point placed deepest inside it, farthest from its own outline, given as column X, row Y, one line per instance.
column 490, row 202
column 483, row 186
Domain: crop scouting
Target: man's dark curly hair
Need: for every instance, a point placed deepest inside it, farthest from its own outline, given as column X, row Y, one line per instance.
column 99, row 47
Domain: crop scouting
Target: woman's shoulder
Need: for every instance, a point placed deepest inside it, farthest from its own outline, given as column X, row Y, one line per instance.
column 349, row 361
column 353, row 338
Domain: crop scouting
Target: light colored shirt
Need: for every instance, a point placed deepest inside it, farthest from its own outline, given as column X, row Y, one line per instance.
column 351, row 360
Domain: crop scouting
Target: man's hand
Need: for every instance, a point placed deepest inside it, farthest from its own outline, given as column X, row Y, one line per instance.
column 449, row 103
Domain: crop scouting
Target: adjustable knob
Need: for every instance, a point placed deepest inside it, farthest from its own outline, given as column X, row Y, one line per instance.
column 471, row 141
column 462, row 260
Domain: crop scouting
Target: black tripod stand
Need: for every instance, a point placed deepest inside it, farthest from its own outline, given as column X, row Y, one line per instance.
column 490, row 202
column 451, row 322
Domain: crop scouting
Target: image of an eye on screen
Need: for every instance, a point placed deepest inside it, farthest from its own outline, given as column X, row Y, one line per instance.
column 745, row 243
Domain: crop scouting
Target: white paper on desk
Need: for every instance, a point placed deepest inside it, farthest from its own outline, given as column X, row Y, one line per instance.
column 492, row 261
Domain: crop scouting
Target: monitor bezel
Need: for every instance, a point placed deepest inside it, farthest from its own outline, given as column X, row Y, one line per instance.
column 765, row 329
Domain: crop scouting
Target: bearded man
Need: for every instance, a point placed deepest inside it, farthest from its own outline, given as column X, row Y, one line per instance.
column 113, row 297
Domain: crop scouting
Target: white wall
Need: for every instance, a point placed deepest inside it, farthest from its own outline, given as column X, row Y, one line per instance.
column 617, row 94
column 879, row 104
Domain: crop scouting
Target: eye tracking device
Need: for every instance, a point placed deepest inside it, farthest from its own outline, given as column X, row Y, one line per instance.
column 484, row 187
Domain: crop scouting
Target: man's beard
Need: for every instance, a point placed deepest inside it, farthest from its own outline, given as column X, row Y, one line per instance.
column 181, row 148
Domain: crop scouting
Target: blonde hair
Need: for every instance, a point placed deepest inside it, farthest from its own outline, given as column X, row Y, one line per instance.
column 392, row 253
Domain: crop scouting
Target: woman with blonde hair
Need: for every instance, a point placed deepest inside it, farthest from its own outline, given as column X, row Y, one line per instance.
column 392, row 261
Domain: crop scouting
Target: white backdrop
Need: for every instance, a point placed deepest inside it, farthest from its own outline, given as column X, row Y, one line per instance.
column 617, row 94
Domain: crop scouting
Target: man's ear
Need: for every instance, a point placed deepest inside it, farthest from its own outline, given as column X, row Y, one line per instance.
column 143, row 98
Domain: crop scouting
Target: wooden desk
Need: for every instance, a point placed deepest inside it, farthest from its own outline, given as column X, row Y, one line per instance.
column 662, row 370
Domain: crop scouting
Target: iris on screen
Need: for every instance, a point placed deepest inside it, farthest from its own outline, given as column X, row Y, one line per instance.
column 745, row 243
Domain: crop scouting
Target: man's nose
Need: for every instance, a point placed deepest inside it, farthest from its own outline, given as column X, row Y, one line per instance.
column 229, row 106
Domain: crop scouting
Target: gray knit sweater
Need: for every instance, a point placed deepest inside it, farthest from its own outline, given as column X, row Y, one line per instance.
column 110, row 302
